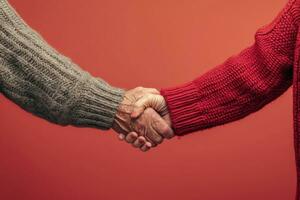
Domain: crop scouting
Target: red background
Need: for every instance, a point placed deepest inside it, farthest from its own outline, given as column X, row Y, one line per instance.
column 154, row 44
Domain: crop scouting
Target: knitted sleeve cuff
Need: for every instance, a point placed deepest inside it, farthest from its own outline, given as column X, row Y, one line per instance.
column 183, row 107
column 96, row 105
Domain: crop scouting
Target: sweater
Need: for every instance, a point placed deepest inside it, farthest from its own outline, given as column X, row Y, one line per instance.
column 245, row 82
column 46, row 83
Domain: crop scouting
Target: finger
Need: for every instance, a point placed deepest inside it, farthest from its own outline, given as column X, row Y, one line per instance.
column 148, row 144
column 121, row 136
column 158, row 124
column 146, row 147
column 153, row 136
column 145, row 126
column 157, row 102
column 162, row 127
column 139, row 142
column 131, row 137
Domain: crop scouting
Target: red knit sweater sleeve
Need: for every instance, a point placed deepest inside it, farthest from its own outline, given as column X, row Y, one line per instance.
column 241, row 85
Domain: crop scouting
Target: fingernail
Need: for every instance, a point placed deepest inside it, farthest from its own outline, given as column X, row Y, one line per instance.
column 149, row 144
column 121, row 136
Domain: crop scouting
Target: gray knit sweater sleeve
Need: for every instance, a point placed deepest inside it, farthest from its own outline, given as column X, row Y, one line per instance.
column 44, row 82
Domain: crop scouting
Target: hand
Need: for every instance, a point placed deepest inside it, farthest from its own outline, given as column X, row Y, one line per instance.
column 148, row 128
column 153, row 100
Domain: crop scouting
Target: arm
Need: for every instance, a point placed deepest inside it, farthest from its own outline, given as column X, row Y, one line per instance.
column 241, row 85
column 46, row 83
column 238, row 87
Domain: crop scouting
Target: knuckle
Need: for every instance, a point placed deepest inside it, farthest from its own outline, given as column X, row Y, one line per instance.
column 139, row 88
column 131, row 138
column 156, row 90
column 141, row 140
column 166, row 130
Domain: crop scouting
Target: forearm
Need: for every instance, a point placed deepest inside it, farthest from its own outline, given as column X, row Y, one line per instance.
column 46, row 83
column 241, row 85
column 197, row 106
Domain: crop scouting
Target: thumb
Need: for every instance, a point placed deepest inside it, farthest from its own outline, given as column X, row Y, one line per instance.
column 140, row 105
column 156, row 102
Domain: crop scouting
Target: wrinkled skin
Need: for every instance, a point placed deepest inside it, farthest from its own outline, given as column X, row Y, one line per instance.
column 139, row 124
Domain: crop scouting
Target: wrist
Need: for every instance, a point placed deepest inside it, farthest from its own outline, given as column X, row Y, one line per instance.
column 96, row 104
column 121, row 123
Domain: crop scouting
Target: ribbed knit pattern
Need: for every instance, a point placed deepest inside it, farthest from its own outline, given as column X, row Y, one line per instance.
column 245, row 82
column 44, row 82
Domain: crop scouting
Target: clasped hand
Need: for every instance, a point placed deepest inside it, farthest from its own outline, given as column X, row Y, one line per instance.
column 143, row 119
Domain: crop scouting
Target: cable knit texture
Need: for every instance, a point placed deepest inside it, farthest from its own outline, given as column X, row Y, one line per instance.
column 245, row 82
column 44, row 82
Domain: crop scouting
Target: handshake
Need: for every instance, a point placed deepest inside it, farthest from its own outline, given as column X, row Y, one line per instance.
column 143, row 119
